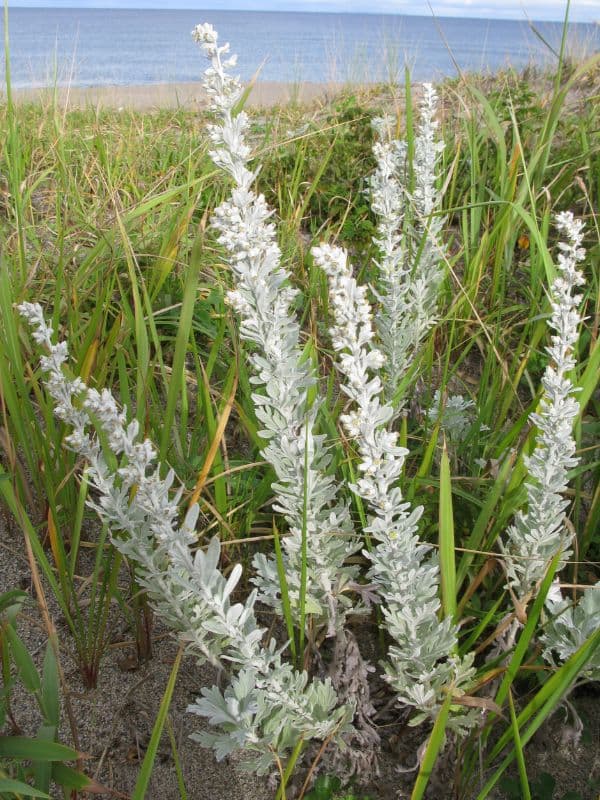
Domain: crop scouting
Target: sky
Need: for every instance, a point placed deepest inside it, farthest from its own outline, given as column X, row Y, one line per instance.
column 581, row 10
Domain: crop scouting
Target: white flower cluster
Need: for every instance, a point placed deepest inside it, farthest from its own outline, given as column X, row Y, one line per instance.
column 539, row 532
column 409, row 240
column 420, row 666
column 306, row 493
column 268, row 705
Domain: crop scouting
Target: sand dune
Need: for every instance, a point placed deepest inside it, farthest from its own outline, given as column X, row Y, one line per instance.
column 173, row 95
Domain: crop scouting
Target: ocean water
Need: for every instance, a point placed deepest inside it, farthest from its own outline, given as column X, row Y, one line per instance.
column 92, row 47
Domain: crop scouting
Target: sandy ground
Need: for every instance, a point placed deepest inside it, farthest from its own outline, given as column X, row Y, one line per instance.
column 175, row 95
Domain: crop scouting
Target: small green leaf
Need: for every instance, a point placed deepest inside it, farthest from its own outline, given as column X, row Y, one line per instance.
column 35, row 749
column 544, row 786
column 50, row 688
column 325, row 788
column 69, row 778
column 23, row 661
column 10, row 786
column 11, row 602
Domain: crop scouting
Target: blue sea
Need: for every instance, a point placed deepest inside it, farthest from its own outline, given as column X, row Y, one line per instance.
column 94, row 47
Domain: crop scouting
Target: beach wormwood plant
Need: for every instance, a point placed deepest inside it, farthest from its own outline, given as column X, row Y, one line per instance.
column 306, row 493
column 270, row 708
column 540, row 531
column 408, row 239
column 420, row 661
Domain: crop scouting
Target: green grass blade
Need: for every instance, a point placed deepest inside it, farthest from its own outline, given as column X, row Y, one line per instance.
column 70, row 778
column 42, row 768
column 526, row 793
column 589, row 380
column 177, row 382
column 528, row 632
column 142, row 359
column 77, row 524
column 544, row 703
column 303, row 554
column 143, row 781
column 50, row 688
column 21, row 747
column 434, row 745
column 477, row 536
column 285, row 597
column 17, row 788
column 446, row 520
column 177, row 762
column 23, row 662
column 426, row 463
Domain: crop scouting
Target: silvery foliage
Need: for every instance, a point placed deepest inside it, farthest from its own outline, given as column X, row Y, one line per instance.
column 539, row 532
column 306, row 492
column 408, row 238
column 455, row 415
column 267, row 705
column 570, row 626
column 421, row 665
column 403, row 567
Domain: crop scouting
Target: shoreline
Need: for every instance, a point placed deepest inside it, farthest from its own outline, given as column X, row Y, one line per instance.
column 158, row 96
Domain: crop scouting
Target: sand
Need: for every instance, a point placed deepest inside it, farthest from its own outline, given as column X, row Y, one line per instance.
column 264, row 94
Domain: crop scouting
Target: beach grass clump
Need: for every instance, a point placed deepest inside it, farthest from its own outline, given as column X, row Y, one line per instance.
column 388, row 448
column 325, row 151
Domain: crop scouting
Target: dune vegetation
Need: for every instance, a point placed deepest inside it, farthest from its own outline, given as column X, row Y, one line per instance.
column 380, row 399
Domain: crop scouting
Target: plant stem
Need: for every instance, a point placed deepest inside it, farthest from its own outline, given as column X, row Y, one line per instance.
column 289, row 768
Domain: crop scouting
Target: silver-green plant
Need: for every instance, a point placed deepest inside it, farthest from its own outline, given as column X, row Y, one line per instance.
column 319, row 539
column 267, row 707
column 422, row 663
column 406, row 199
column 454, row 413
column 541, row 531
column 570, row 626
column 421, row 658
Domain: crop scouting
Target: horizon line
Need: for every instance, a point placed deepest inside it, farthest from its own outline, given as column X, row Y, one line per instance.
column 387, row 13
